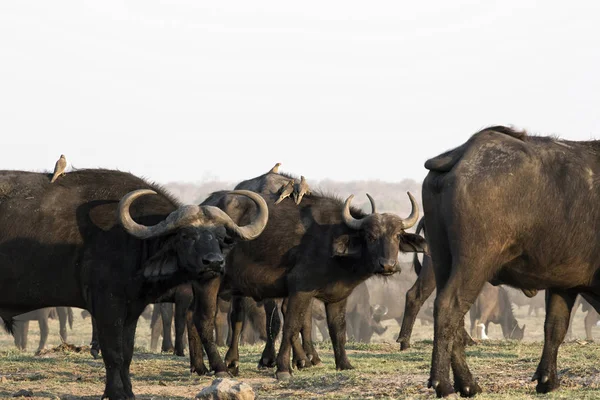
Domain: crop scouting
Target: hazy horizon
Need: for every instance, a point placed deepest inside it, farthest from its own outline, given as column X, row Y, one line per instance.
column 189, row 91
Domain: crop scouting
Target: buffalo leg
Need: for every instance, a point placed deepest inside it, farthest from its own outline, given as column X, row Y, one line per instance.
column 222, row 331
column 110, row 333
column 95, row 343
column 300, row 357
column 336, row 322
column 578, row 301
column 166, row 313
column 155, row 327
column 62, row 320
column 21, row 330
column 590, row 321
column 195, row 346
column 267, row 359
column 456, row 294
column 307, row 339
column 415, row 298
column 236, row 318
column 463, row 379
column 182, row 305
column 204, row 319
column 558, row 311
column 128, row 344
column 297, row 306
column 43, row 322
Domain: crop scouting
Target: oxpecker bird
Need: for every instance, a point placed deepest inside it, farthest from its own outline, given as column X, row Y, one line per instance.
column 301, row 189
column 275, row 169
column 59, row 168
column 286, row 191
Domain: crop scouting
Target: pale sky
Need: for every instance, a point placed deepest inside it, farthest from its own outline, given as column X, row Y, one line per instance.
column 347, row 90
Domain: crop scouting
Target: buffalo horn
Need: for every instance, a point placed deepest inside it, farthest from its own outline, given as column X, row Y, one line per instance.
column 373, row 207
column 348, row 218
column 414, row 213
column 192, row 215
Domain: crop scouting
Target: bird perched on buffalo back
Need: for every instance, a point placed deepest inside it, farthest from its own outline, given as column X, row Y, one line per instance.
column 301, row 189
column 275, row 169
column 59, row 168
column 286, row 191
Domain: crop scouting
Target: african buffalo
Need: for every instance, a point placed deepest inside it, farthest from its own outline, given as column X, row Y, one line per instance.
column 502, row 207
column 493, row 305
column 321, row 248
column 21, row 328
column 96, row 239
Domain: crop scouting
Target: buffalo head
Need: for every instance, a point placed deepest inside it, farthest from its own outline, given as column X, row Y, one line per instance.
column 380, row 236
column 196, row 237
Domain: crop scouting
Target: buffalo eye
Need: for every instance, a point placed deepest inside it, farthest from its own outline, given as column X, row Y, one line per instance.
column 186, row 236
column 226, row 242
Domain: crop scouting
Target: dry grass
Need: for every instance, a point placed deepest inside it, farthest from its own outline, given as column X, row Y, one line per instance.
column 503, row 368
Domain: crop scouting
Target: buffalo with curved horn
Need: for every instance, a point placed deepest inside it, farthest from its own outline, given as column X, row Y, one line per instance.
column 111, row 243
column 321, row 248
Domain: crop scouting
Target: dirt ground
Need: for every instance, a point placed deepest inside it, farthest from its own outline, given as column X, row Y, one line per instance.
column 503, row 368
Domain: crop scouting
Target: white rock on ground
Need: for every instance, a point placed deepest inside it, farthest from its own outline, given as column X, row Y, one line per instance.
column 226, row 389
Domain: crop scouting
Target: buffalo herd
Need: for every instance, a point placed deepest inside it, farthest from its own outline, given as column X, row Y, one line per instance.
column 273, row 258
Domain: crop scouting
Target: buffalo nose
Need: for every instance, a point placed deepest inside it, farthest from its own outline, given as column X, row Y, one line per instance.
column 386, row 263
column 212, row 259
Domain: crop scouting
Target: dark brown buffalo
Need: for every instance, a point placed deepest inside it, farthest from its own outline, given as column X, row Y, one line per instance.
column 493, row 305
column 109, row 242
column 321, row 248
column 512, row 209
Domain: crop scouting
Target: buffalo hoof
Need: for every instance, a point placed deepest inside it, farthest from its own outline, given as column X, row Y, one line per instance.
column 302, row 363
column 316, row 361
column 283, row 376
column 199, row 369
column 404, row 344
column 168, row 350
column 546, row 381
column 180, row 353
column 116, row 394
column 222, row 374
column 266, row 363
column 344, row 365
column 95, row 353
column 234, row 368
column 467, row 390
column 442, row 389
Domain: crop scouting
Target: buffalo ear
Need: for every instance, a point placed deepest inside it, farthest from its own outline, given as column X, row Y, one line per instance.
column 346, row 246
column 161, row 265
column 410, row 242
